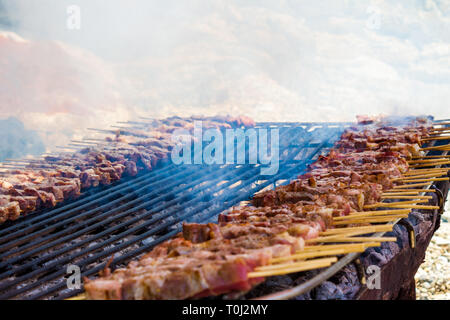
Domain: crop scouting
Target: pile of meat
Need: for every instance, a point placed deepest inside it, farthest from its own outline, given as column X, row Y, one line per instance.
column 57, row 178
column 215, row 259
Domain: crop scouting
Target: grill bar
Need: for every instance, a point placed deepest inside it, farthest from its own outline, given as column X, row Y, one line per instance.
column 147, row 247
column 78, row 205
column 88, row 213
column 34, row 252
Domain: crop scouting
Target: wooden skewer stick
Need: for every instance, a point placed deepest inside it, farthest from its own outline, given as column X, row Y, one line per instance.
column 402, row 186
column 368, row 219
column 436, row 138
column 425, row 171
column 355, row 247
column 373, row 213
column 415, row 172
column 310, row 254
column 438, row 173
column 428, row 176
column 435, row 134
column 325, row 247
column 345, row 238
column 438, row 133
column 427, row 160
column 363, row 215
column 368, row 239
column 436, row 147
column 368, row 229
column 432, row 157
column 425, row 180
column 372, row 219
column 414, row 206
column 300, row 266
column 441, row 123
column 399, row 190
column 388, row 211
column 420, row 176
column 436, row 123
column 392, row 204
column 424, row 165
column 405, row 197
column 410, row 193
column 336, row 236
column 355, row 232
column 423, row 175
column 439, row 129
column 81, row 296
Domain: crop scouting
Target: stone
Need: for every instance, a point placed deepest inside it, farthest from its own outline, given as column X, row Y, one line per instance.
column 441, row 241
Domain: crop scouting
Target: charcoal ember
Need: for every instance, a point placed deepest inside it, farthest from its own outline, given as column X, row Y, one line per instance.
column 402, row 235
column 348, row 282
column 305, row 296
column 303, row 278
column 271, row 285
column 282, row 281
column 388, row 254
column 343, row 286
column 390, row 249
column 373, row 256
column 416, row 218
column 423, row 227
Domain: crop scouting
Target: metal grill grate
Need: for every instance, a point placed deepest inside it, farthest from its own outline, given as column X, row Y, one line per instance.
column 130, row 217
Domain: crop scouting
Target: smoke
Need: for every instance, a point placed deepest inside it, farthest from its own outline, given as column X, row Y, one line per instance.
column 16, row 141
column 271, row 60
column 56, row 89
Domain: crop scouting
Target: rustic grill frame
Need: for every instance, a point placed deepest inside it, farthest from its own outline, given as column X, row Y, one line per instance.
column 336, row 267
column 14, row 235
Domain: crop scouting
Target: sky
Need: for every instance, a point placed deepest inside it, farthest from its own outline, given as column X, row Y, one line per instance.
column 283, row 60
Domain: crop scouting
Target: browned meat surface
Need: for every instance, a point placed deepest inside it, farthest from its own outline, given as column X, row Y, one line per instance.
column 126, row 153
column 213, row 259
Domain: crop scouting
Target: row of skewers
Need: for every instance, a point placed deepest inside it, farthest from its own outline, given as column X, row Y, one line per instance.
column 29, row 185
column 374, row 176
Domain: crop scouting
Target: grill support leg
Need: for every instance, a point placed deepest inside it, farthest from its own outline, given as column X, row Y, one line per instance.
column 397, row 275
